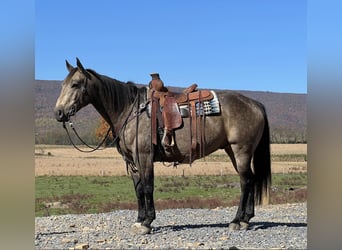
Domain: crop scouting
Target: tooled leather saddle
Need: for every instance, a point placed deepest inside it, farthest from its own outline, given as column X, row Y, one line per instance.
column 167, row 115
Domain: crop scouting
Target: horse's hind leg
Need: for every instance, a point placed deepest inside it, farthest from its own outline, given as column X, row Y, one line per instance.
column 241, row 159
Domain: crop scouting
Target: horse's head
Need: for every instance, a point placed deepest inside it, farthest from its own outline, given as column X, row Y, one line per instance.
column 74, row 94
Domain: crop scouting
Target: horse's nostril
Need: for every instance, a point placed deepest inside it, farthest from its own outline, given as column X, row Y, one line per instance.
column 59, row 114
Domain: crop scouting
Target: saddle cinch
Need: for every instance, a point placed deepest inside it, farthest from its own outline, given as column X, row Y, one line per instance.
column 169, row 108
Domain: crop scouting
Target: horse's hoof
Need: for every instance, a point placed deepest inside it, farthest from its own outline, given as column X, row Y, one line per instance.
column 243, row 225
column 138, row 228
column 233, row 227
column 238, row 226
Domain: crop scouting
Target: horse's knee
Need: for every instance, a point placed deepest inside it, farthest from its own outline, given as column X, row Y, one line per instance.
column 148, row 189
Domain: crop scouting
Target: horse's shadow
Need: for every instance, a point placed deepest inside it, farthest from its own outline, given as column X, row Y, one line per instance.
column 265, row 225
column 252, row 226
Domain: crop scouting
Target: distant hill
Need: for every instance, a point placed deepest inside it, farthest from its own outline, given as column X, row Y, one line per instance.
column 286, row 113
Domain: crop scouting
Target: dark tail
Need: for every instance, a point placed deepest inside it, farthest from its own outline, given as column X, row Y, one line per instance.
column 262, row 166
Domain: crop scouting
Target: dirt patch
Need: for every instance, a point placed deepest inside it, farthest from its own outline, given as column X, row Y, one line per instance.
column 65, row 160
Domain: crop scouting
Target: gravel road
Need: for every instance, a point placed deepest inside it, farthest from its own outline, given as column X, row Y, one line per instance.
column 274, row 226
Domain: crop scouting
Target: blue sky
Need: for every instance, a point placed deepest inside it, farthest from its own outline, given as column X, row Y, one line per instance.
column 220, row 44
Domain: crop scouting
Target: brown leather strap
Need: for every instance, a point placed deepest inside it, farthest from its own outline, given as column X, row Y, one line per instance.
column 200, row 106
column 193, row 126
column 154, row 119
column 203, row 135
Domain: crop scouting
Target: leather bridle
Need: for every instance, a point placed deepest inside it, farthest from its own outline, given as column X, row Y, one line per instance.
column 131, row 115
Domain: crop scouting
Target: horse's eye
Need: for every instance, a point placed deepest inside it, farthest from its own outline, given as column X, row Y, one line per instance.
column 75, row 85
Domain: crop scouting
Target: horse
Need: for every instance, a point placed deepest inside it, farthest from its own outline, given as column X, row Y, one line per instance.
column 241, row 129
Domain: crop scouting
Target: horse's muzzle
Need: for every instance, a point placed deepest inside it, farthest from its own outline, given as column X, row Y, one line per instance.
column 63, row 116
column 60, row 116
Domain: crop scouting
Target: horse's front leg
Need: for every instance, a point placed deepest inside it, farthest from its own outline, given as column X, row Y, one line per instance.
column 139, row 191
column 148, row 191
column 144, row 191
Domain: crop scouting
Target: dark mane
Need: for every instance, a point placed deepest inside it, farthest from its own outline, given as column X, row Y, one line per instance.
column 121, row 93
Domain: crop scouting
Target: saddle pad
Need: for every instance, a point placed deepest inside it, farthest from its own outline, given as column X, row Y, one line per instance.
column 211, row 107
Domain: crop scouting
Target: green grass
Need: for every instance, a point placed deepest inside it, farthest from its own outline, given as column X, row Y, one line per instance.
column 274, row 157
column 290, row 157
column 93, row 194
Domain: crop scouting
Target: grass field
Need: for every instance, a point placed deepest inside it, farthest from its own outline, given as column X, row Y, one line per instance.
column 92, row 194
column 68, row 181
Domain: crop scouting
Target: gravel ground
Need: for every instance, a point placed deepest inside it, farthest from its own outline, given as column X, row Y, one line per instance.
column 274, row 226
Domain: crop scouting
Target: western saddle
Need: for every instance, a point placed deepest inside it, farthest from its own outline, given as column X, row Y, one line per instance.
column 166, row 115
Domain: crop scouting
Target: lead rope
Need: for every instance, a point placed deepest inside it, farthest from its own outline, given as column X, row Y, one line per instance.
column 137, row 134
column 82, row 150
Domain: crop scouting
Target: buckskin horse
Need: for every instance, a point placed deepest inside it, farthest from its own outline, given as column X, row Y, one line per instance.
column 241, row 129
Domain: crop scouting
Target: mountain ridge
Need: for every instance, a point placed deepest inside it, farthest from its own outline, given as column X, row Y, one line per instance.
column 286, row 113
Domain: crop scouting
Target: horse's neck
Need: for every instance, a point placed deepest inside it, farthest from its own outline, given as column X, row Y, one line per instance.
column 110, row 107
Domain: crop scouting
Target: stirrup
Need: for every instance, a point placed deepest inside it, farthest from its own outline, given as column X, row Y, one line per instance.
column 167, row 134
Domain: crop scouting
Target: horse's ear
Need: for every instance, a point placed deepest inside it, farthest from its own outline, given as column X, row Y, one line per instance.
column 68, row 66
column 79, row 64
column 81, row 68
